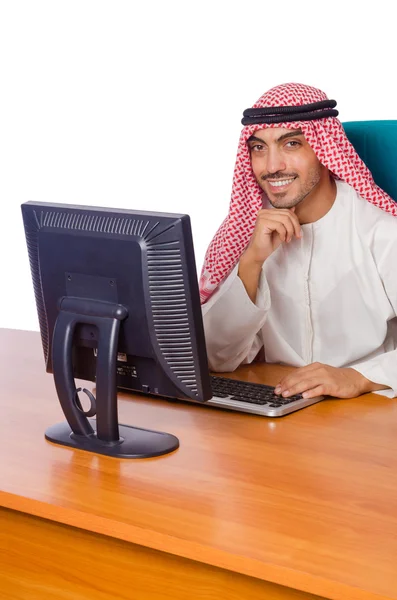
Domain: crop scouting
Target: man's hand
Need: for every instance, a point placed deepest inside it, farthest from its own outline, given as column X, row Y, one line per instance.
column 273, row 227
column 322, row 380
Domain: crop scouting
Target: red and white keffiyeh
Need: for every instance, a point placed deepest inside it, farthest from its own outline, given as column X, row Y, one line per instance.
column 326, row 137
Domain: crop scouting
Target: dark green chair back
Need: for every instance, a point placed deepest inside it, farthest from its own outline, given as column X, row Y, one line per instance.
column 376, row 144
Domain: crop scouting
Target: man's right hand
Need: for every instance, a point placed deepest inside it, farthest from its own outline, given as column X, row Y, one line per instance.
column 273, row 227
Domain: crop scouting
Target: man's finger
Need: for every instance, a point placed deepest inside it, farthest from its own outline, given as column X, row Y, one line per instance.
column 297, row 375
column 289, row 221
column 320, row 390
column 284, row 230
column 297, row 225
column 290, row 213
column 276, row 227
column 302, row 386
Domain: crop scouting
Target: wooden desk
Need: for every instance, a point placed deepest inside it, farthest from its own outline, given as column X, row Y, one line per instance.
column 299, row 507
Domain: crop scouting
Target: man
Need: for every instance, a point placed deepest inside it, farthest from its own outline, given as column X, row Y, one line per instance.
column 302, row 269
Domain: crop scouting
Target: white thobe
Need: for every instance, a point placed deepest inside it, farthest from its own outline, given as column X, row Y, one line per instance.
column 330, row 297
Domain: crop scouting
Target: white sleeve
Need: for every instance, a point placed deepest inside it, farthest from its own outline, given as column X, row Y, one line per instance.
column 232, row 323
column 383, row 368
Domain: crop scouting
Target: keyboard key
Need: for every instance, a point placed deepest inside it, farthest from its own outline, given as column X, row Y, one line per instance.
column 252, row 393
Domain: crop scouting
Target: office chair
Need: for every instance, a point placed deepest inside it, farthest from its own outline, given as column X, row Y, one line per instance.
column 376, row 144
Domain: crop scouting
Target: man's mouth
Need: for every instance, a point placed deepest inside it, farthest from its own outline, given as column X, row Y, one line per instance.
column 280, row 184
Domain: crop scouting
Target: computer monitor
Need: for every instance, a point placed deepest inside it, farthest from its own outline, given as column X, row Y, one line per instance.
column 118, row 303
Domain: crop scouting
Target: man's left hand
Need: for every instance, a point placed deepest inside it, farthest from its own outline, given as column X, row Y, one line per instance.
column 322, row 380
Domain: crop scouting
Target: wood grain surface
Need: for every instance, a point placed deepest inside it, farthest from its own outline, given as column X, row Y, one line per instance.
column 307, row 501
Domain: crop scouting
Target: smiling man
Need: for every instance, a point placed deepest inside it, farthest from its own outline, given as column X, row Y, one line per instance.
column 301, row 272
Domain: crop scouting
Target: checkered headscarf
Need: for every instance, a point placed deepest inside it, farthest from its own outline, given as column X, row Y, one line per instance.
column 326, row 137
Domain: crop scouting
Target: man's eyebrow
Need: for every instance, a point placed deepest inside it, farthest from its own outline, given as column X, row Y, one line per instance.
column 293, row 133
column 255, row 139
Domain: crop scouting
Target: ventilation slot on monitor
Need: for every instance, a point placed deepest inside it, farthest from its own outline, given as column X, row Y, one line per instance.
column 95, row 223
column 170, row 311
column 32, row 227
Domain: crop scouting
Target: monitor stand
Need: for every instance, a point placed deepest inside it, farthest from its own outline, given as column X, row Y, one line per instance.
column 103, row 435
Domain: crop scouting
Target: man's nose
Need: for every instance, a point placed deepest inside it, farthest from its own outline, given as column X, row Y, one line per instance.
column 275, row 161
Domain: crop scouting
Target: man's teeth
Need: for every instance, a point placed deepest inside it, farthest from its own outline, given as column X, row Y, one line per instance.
column 281, row 183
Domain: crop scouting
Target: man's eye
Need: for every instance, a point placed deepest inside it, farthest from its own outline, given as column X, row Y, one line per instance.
column 293, row 144
column 257, row 148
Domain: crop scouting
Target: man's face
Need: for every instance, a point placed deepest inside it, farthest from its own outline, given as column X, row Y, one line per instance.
column 285, row 166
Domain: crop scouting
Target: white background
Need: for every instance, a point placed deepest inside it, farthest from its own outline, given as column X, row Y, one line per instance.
column 138, row 104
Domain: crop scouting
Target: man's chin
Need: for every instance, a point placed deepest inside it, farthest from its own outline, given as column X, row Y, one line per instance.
column 281, row 200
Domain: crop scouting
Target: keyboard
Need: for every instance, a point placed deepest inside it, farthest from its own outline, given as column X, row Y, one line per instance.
column 254, row 398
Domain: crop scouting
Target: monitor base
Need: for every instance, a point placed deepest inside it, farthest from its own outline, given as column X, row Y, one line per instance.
column 134, row 442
